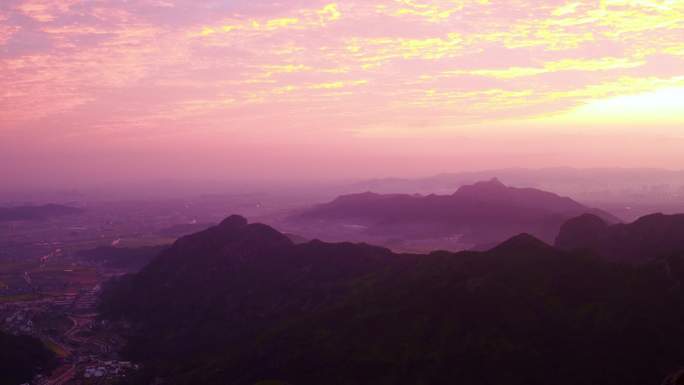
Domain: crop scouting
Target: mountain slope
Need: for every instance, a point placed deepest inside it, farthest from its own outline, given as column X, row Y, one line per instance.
column 235, row 277
column 22, row 357
column 651, row 237
column 240, row 304
column 481, row 213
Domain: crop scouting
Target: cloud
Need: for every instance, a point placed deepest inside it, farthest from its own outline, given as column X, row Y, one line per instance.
column 377, row 63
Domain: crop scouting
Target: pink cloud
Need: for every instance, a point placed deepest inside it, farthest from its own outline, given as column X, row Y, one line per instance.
column 103, row 71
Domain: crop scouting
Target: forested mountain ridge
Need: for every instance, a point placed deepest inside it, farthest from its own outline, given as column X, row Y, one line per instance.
column 240, row 303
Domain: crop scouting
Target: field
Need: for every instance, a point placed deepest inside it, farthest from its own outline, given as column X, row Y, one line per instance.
column 31, row 280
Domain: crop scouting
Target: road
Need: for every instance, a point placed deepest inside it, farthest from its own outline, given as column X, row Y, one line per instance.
column 64, row 377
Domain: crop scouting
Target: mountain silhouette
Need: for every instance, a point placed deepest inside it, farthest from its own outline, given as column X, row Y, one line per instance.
column 482, row 213
column 237, row 277
column 241, row 304
column 22, row 357
column 648, row 238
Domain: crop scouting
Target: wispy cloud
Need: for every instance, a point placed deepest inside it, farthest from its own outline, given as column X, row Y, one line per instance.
column 340, row 66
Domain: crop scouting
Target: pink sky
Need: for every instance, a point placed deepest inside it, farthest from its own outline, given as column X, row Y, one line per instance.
column 104, row 90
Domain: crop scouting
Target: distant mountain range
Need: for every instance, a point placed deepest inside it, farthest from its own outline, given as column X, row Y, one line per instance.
column 628, row 193
column 482, row 213
column 596, row 182
column 241, row 304
column 27, row 213
column 649, row 238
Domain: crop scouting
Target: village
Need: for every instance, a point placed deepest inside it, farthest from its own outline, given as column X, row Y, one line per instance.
column 67, row 323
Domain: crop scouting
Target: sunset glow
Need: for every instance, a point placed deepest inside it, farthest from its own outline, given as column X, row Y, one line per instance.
column 96, row 85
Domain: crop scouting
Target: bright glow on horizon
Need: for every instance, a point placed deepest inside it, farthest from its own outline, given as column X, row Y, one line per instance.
column 317, row 87
column 663, row 106
column 659, row 110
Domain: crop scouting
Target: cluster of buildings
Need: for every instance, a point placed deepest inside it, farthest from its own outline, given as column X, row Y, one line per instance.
column 109, row 369
column 64, row 301
column 20, row 322
column 87, row 300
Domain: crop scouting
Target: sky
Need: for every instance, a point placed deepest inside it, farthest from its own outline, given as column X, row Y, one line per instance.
column 95, row 91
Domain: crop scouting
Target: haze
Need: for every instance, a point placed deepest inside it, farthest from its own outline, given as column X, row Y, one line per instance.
column 341, row 192
column 112, row 92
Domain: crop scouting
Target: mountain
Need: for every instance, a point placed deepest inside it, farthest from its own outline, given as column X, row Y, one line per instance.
column 629, row 193
column 25, row 213
column 21, row 358
column 649, row 238
column 240, row 304
column 236, row 277
column 481, row 213
column 592, row 183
